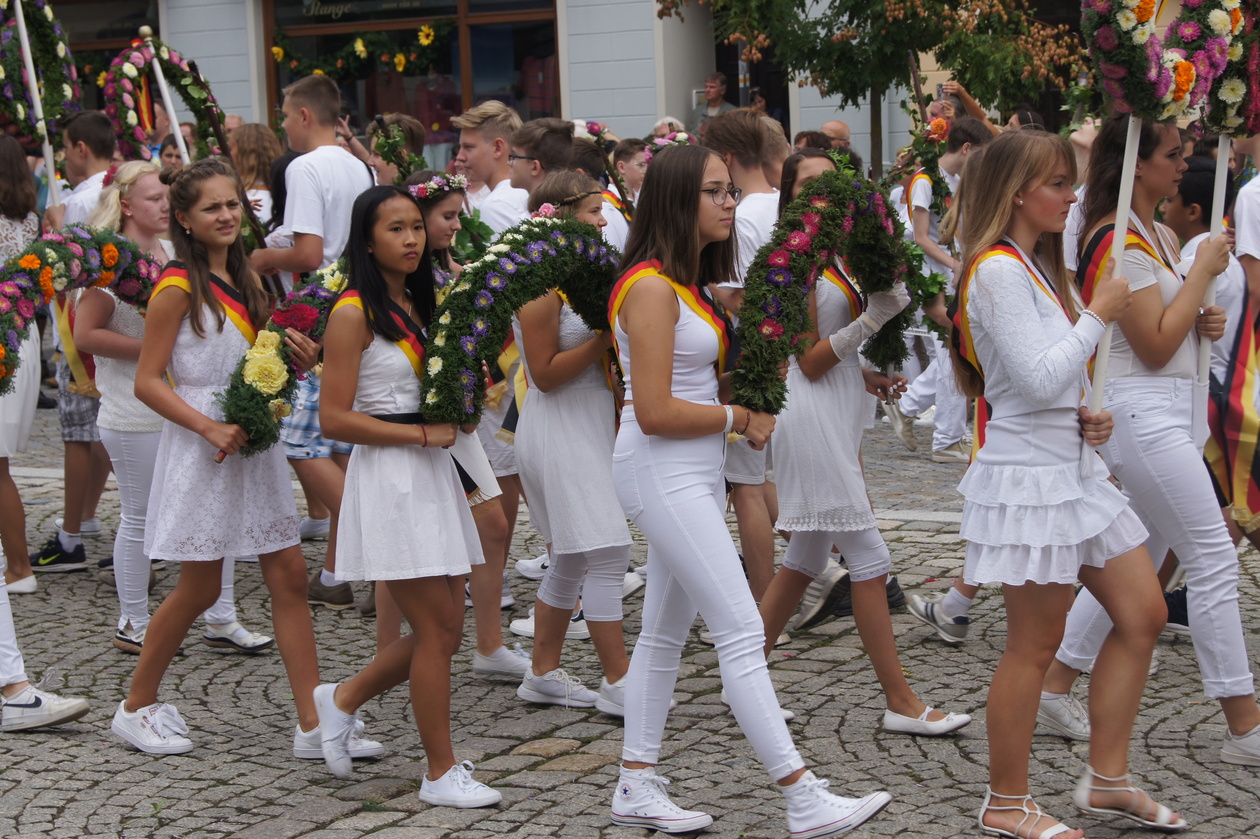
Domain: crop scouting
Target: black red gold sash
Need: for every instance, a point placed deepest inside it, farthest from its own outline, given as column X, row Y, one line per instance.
column 411, row 343
column 615, row 199
column 983, row 411
column 1098, row 251
column 841, row 280
column 1232, row 453
column 921, row 176
column 82, row 366
column 175, row 275
column 695, row 299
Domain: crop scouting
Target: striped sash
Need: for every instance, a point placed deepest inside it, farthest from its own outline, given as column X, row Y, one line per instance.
column 412, row 342
column 696, row 299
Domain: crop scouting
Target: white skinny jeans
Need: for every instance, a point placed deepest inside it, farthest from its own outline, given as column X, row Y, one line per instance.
column 12, row 667
column 673, row 491
column 1162, row 472
column 936, row 386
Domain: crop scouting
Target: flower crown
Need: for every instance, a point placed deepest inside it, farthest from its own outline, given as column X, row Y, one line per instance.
column 109, row 175
column 674, row 138
column 438, row 186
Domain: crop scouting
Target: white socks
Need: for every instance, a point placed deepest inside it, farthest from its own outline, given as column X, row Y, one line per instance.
column 954, row 605
column 69, row 541
column 327, row 578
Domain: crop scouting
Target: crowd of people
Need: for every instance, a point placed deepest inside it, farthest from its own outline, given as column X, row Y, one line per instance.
column 424, row 512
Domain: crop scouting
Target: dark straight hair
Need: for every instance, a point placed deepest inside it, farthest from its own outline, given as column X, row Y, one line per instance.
column 793, row 163
column 1106, row 169
column 364, row 277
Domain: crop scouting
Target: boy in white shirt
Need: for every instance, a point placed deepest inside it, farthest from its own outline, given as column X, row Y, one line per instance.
column 484, row 134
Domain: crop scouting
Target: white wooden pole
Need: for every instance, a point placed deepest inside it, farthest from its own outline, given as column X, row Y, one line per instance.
column 1118, row 240
column 32, row 84
column 147, row 34
column 1218, row 227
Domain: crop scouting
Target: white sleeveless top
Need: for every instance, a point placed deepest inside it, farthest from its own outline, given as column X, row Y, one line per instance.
column 573, row 333
column 116, row 378
column 695, row 353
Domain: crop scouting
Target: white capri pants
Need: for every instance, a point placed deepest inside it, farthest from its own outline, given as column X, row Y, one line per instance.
column 602, row 569
column 1162, row 472
column 674, row 492
column 865, row 553
column 12, row 668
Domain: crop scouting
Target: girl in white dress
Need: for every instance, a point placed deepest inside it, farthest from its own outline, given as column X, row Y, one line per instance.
column 404, row 515
column 822, row 492
column 201, row 319
column 564, row 446
column 1032, row 524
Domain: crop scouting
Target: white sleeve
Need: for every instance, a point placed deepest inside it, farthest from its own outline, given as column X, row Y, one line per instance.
column 921, row 194
column 1007, row 326
column 1140, row 269
column 1247, row 222
column 304, row 206
column 617, row 230
column 749, row 237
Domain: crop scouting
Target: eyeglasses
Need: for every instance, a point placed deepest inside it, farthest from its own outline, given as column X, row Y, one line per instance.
column 512, row 157
column 718, row 194
column 640, row 164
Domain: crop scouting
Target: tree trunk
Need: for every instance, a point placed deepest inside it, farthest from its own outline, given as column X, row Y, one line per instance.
column 877, row 132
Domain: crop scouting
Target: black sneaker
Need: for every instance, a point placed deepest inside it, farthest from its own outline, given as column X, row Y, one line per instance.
column 53, row 557
column 1178, row 616
column 44, row 401
column 896, row 599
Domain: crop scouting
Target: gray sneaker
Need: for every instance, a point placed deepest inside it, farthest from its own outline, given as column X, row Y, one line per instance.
column 556, row 688
column 822, row 596
column 335, row 597
column 928, row 610
column 501, row 662
column 1065, row 716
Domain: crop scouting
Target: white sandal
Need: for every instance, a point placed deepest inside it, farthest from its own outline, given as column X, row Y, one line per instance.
column 1085, row 786
column 1035, row 814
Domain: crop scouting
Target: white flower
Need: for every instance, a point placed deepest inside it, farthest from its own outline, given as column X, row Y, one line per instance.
column 41, row 130
column 129, row 70
column 334, row 281
column 1, row 72
column 1233, row 91
column 131, row 118
column 21, row 112
column 439, row 340
column 445, row 319
column 67, row 92
column 61, row 48
column 499, row 248
column 461, row 287
column 431, row 398
column 434, row 366
column 1235, row 51
column 1143, row 33
column 1229, row 5
column 1126, row 20
column 1130, row 4
column 1220, row 22
column 166, row 53
column 1233, row 121
column 48, row 12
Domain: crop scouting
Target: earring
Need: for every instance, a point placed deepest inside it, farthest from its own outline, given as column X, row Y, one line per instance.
column 188, row 231
column 1019, row 201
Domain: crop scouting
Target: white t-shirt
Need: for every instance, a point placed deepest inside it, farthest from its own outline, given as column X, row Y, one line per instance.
column 1142, row 271
column 755, row 218
column 504, row 207
column 476, row 199
column 617, row 231
column 1247, row 220
column 322, row 185
column 83, row 199
column 921, row 201
column 1231, row 295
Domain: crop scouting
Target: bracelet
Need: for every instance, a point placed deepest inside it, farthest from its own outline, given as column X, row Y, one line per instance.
column 1095, row 316
column 747, row 422
column 425, row 432
column 730, row 419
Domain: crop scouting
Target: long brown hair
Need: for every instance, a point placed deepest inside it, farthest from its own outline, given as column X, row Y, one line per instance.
column 665, row 221
column 186, row 184
column 992, row 176
column 565, row 191
column 17, row 185
column 790, row 167
column 254, row 149
column 1106, row 168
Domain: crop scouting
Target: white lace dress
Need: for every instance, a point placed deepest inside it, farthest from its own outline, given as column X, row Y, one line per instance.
column 404, row 514
column 564, row 447
column 1028, row 516
column 818, row 437
column 17, row 407
column 200, row 510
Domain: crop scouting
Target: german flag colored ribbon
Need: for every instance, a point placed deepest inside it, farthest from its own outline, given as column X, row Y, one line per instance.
column 696, row 299
column 615, row 199
column 411, row 343
column 841, row 280
column 1094, row 258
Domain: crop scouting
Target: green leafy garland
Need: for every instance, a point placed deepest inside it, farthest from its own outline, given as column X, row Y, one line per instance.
column 472, row 322
column 58, row 77
column 472, row 239
column 261, row 390
column 120, row 93
column 369, row 52
column 391, row 145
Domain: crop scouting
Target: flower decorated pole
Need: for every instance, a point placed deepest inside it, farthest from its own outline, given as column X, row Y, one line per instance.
column 146, row 33
column 37, row 105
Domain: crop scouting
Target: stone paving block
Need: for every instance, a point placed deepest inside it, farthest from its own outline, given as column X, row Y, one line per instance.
column 410, row 833
column 321, row 811
column 583, row 763
column 542, row 780
column 376, row 789
column 276, row 829
column 550, row 747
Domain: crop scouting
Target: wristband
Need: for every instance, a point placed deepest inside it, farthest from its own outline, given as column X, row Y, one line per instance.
column 730, row 419
column 747, row 422
column 1095, row 316
column 425, row 432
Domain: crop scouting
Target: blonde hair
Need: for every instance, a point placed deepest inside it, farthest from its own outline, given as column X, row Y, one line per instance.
column 985, row 204
column 492, row 119
column 565, row 190
column 108, row 212
column 255, row 149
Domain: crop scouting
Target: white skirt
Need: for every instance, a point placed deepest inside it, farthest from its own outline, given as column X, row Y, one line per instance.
column 564, row 447
column 404, row 515
column 17, row 407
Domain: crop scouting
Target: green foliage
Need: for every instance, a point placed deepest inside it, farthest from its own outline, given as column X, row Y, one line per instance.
column 472, row 239
column 58, row 76
column 391, row 145
column 370, row 52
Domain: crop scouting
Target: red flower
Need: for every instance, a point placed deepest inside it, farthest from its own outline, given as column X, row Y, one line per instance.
column 819, row 202
column 770, row 330
column 779, row 259
column 298, row 316
column 798, row 241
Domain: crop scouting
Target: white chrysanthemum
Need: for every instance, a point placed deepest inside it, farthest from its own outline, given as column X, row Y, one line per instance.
column 67, row 92
column 1, row 68
column 1220, row 22
column 445, row 319
column 434, row 366
column 1143, row 34
column 1126, row 20
column 166, row 53
column 1130, row 4
column 499, row 248
column 131, row 118
column 1233, row 91
column 1233, row 121
column 48, row 12
column 1229, row 5
column 439, row 340
column 461, row 287
column 61, row 48
column 129, row 70
column 40, row 130
column 431, row 398
column 21, row 112
column 1235, row 51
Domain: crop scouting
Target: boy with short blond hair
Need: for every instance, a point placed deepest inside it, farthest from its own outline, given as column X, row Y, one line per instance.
column 485, row 134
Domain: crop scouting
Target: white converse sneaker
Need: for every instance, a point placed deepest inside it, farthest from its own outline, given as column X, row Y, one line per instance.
column 788, row 716
column 813, row 812
column 556, row 688
column 641, row 801
column 1064, row 716
column 631, row 583
column 157, row 729
column 501, row 662
column 336, row 727
column 233, row 636
column 577, row 631
column 458, row 788
column 612, row 697
column 533, row 569
column 1242, row 750
column 37, row 708
column 306, row 744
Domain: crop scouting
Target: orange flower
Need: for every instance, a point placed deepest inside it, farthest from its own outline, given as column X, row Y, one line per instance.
column 3, row 353
column 107, row 277
column 1183, row 80
column 4, row 371
column 938, row 129
column 1235, row 18
column 109, row 255
column 1145, row 11
column 45, row 284
column 30, row 262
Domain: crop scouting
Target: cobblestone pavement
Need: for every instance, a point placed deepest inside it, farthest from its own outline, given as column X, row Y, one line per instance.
column 556, row 767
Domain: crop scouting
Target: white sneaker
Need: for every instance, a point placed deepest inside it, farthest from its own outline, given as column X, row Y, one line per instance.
column 458, row 788
column 577, row 631
column 953, row 453
column 788, row 716
column 309, row 528
column 501, row 662
column 37, row 708
column 88, row 528
column 631, row 583
column 612, row 697
column 156, row 730
column 506, row 600
column 336, row 727
column 233, row 636
column 556, row 688
column 813, row 812
column 1241, row 750
column 927, row 418
column 306, row 744
column 26, row 585
column 641, row 801
column 533, row 569
column 1065, row 716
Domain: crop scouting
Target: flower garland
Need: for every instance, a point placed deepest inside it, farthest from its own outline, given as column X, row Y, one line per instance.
column 121, row 88
column 77, row 257
column 391, row 145
column 839, row 214
column 1153, row 79
column 58, row 77
column 370, row 52
column 673, row 138
column 438, row 186
column 261, row 390
column 1230, row 110
column 471, row 323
